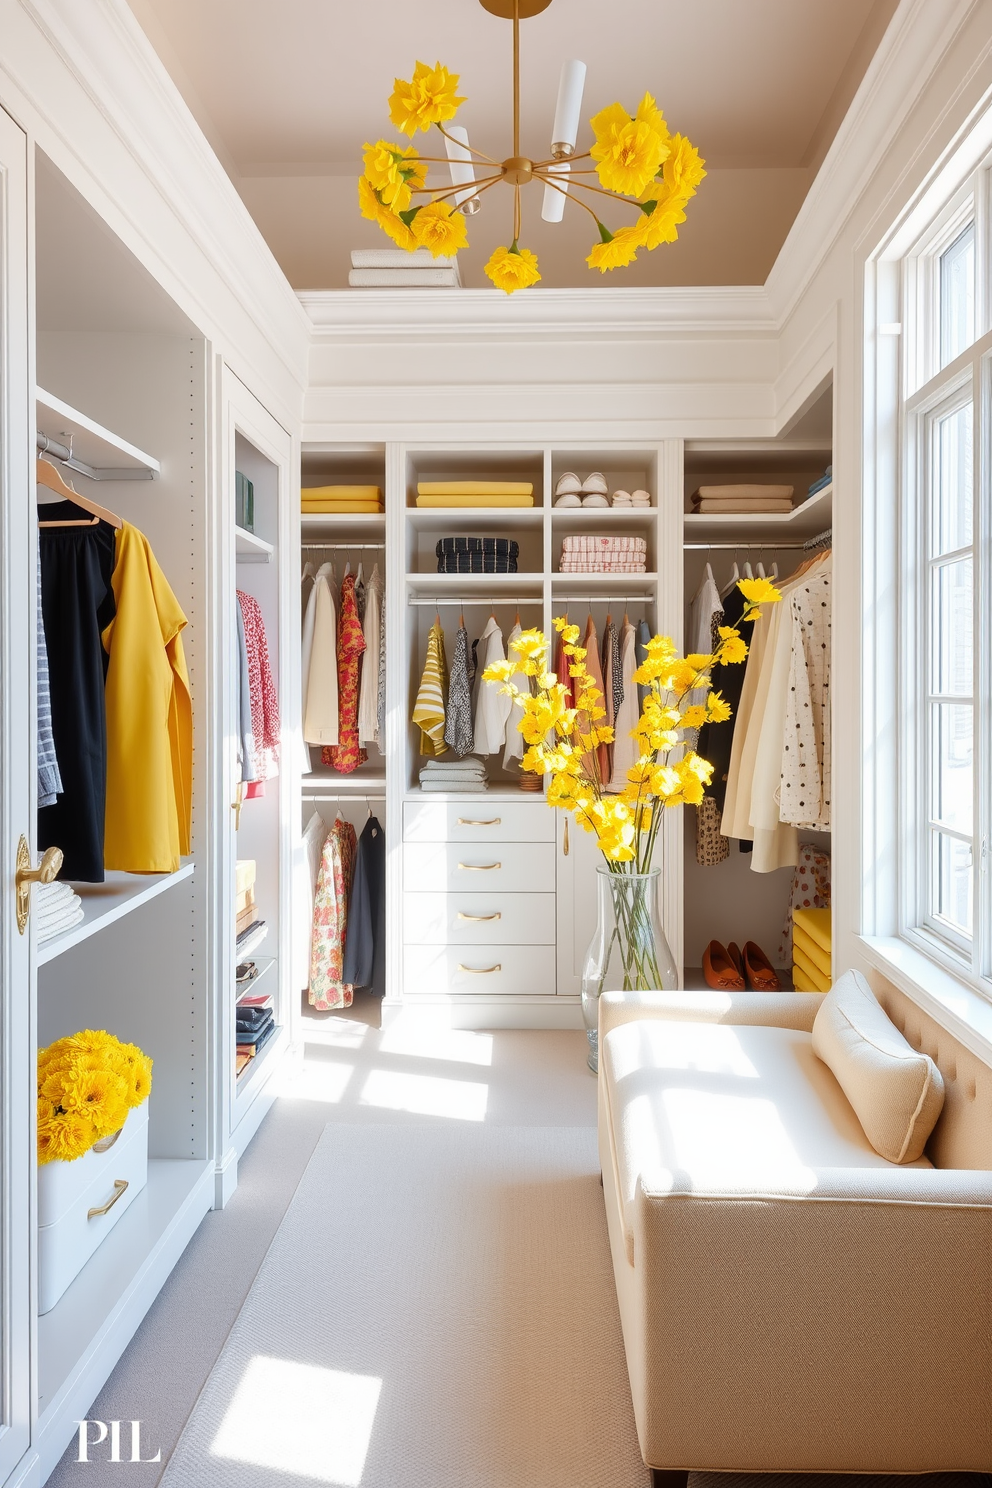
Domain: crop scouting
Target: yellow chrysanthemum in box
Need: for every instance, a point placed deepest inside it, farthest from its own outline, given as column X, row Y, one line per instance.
column 87, row 1083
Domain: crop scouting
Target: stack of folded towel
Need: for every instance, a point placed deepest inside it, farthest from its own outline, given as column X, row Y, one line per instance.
column 822, row 481
column 58, row 908
column 811, row 950
column 742, row 500
column 333, row 500
column 630, row 499
column 254, row 1023
column 475, row 493
column 477, row 555
column 468, row 774
column 598, row 553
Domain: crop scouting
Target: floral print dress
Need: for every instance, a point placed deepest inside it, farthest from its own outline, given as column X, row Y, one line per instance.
column 346, row 755
column 330, row 919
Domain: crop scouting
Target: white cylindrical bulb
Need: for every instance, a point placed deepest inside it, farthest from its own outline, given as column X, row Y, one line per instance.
column 460, row 162
column 553, row 209
column 566, row 128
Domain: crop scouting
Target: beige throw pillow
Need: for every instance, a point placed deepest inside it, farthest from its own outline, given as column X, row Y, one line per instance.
column 896, row 1092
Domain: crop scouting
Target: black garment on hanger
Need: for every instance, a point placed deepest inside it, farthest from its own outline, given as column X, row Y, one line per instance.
column 77, row 603
column 716, row 740
column 365, row 944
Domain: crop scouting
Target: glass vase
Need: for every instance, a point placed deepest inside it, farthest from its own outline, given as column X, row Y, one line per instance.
column 629, row 951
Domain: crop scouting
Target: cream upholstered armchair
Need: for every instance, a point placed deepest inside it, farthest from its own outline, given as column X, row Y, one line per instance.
column 790, row 1299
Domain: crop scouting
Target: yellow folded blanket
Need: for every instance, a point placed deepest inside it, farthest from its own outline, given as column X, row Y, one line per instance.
column 338, row 508
column 815, row 923
column 467, row 499
column 801, row 983
column 812, row 973
column 475, row 488
column 819, row 957
column 341, row 493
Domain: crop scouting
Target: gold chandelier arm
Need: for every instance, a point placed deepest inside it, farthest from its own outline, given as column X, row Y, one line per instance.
column 516, row 213
column 471, row 149
column 564, row 160
column 588, row 186
column 439, row 193
column 550, row 181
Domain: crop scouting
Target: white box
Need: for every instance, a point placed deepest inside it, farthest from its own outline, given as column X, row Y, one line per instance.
column 67, row 1191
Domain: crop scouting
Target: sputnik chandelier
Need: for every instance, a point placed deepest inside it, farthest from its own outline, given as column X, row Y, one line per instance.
column 638, row 161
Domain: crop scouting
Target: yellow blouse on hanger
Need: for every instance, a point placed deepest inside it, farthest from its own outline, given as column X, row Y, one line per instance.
column 149, row 717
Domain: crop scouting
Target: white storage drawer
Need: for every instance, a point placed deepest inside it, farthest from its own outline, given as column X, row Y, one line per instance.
column 480, row 820
column 478, row 867
column 482, row 970
column 474, row 919
column 68, row 1233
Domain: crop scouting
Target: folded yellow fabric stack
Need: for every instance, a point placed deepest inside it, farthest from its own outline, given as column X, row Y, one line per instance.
column 811, row 950
column 328, row 500
column 475, row 493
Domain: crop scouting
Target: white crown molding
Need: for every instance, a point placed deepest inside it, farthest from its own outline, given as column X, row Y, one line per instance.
column 642, row 313
column 113, row 108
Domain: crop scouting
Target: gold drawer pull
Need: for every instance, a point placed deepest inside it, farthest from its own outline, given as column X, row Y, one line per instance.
column 480, row 970
column 497, row 916
column 479, row 867
column 466, row 821
column 120, row 1186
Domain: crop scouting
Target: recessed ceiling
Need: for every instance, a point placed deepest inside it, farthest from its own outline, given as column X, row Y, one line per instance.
column 287, row 91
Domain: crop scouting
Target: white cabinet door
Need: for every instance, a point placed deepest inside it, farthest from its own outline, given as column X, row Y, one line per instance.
column 18, row 600
column 576, row 860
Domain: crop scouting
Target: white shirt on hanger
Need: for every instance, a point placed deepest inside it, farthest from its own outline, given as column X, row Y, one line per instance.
column 320, row 719
column 492, row 707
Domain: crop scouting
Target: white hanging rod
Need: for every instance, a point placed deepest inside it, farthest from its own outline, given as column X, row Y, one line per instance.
column 747, row 547
column 345, row 547
column 64, row 455
column 345, row 795
column 491, row 601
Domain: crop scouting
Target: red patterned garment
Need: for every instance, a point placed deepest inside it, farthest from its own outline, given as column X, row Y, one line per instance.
column 264, row 701
column 346, row 755
column 330, row 919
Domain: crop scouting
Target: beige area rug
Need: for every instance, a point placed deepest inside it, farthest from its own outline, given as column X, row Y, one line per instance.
column 436, row 1311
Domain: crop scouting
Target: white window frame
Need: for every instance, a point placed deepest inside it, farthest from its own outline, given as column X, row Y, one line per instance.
column 927, row 390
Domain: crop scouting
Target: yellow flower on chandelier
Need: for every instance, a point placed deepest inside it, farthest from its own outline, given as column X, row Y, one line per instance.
column 375, row 211
column 513, row 268
column 683, row 168
column 628, row 152
column 617, row 249
column 393, row 172
column 439, row 229
column 429, row 98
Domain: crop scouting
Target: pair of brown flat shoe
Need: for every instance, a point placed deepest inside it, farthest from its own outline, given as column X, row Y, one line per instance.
column 729, row 969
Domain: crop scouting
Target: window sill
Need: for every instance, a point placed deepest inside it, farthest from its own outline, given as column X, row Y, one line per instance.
column 949, row 999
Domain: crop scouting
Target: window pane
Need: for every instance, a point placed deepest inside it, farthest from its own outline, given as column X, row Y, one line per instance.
column 950, row 889
column 951, row 485
column 951, row 765
column 951, row 628
column 957, row 296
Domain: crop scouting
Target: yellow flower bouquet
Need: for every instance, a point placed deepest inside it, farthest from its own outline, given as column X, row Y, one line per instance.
column 87, row 1084
column 563, row 728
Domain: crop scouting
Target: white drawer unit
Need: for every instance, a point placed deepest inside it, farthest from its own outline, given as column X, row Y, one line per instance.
column 475, row 919
column 80, row 1202
column 479, row 820
column 477, row 867
column 482, row 970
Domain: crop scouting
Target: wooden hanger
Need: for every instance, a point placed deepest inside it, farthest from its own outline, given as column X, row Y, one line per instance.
column 47, row 475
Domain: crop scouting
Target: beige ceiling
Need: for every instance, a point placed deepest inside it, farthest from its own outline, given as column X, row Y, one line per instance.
column 287, row 91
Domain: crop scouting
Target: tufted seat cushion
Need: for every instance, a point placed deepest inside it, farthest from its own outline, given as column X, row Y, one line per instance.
column 714, row 1109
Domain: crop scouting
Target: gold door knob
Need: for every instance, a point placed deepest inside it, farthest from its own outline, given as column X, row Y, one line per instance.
column 237, row 804
column 25, row 876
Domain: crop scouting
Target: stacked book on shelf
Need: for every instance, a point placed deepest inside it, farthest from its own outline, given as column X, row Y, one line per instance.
column 395, row 268
column 248, row 928
column 742, row 500
column 322, row 501
column 477, row 555
column 475, row 493
column 254, row 1025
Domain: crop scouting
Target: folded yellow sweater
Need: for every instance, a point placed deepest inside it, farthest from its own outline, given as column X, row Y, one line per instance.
column 819, row 957
column 339, row 508
column 341, row 493
column 469, row 499
column 802, row 983
column 475, row 488
column 815, row 923
column 810, row 972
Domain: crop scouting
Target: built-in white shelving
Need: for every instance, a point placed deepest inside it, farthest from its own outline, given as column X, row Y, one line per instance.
column 251, row 549
column 806, row 520
column 86, row 447
column 258, row 1069
column 583, row 584
column 336, row 785
column 313, row 523
column 104, row 903
column 476, row 584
